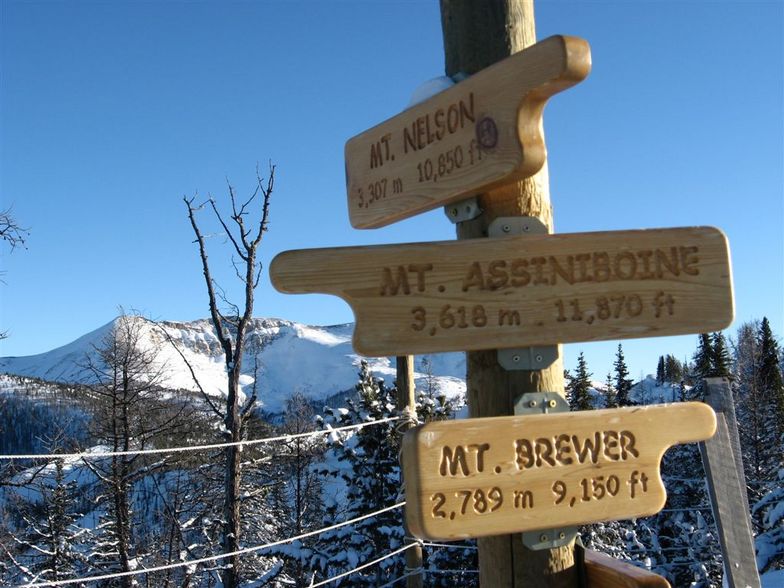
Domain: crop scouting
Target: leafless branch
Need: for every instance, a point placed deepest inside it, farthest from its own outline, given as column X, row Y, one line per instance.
column 191, row 370
column 11, row 231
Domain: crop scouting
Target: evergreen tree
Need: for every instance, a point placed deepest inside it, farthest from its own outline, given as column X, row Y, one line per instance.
column 703, row 357
column 610, row 394
column 623, row 385
column 702, row 367
column 362, row 473
column 660, row 375
column 770, row 377
column 49, row 542
column 720, row 357
column 769, row 511
column 578, row 391
column 673, row 369
column 758, row 392
column 297, row 490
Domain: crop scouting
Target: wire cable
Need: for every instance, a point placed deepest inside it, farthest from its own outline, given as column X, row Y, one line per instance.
column 210, row 558
column 97, row 454
column 363, row 566
column 448, row 546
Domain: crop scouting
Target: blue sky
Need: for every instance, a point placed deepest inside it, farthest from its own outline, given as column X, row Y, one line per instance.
column 111, row 112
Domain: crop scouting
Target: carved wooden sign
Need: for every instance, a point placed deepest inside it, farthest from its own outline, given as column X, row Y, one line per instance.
column 492, row 476
column 511, row 292
column 482, row 132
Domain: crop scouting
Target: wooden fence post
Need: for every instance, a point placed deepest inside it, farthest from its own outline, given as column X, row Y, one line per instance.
column 476, row 35
column 406, row 402
column 727, row 488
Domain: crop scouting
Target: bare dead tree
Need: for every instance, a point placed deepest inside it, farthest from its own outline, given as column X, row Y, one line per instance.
column 14, row 234
column 231, row 330
column 11, row 231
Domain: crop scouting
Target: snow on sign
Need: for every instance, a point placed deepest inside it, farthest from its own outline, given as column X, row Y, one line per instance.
column 498, row 475
column 480, row 133
column 518, row 291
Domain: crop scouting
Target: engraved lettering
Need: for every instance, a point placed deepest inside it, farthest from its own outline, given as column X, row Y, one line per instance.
column 610, row 439
column 601, row 266
column 474, row 277
column 480, row 451
column 544, row 451
column 567, row 274
column 629, row 271
column 588, row 448
column 523, row 499
column 440, row 125
column 537, row 263
column 434, row 126
column 419, row 269
column 582, row 260
column 562, row 449
column 671, row 262
column 689, row 259
column 391, row 285
column 627, row 445
column 645, row 257
column 450, row 461
column 498, row 277
column 408, row 139
column 508, row 317
column 521, row 275
column 525, row 454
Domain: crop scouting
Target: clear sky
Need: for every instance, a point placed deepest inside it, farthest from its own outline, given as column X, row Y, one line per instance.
column 111, row 112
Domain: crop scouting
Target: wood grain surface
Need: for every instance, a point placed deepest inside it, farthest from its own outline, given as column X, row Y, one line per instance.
column 482, row 132
column 602, row 571
column 511, row 292
column 498, row 475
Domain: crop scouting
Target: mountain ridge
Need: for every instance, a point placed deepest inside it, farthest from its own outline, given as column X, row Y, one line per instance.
column 317, row 361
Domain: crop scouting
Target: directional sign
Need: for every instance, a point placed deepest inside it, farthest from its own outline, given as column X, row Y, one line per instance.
column 511, row 292
column 481, row 133
column 499, row 475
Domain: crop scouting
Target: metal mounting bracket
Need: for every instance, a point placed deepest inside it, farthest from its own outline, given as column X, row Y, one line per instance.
column 526, row 358
column 464, row 210
column 544, row 403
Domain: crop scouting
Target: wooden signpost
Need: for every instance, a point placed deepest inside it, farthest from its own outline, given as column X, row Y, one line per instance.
column 497, row 476
column 482, row 132
column 480, row 477
column 511, row 292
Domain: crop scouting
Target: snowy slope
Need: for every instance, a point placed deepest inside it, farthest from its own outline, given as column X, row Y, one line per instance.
column 290, row 357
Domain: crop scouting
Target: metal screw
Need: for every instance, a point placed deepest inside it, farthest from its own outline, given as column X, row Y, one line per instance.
column 515, row 358
column 532, row 403
column 453, row 212
column 539, row 358
column 506, row 228
column 543, row 538
column 526, row 228
column 561, row 535
column 551, row 403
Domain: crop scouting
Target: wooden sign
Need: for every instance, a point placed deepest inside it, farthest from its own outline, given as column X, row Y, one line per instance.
column 481, row 133
column 499, row 475
column 511, row 292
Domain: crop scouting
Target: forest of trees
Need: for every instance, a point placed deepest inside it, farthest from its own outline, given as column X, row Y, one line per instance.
column 74, row 518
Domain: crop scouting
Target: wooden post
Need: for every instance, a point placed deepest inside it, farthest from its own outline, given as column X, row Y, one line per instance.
column 406, row 401
column 476, row 35
column 727, row 488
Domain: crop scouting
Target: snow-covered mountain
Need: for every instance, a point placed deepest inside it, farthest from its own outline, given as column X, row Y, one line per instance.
column 290, row 357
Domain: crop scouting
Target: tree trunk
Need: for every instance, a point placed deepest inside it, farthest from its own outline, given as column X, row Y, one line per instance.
column 476, row 35
column 231, row 505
